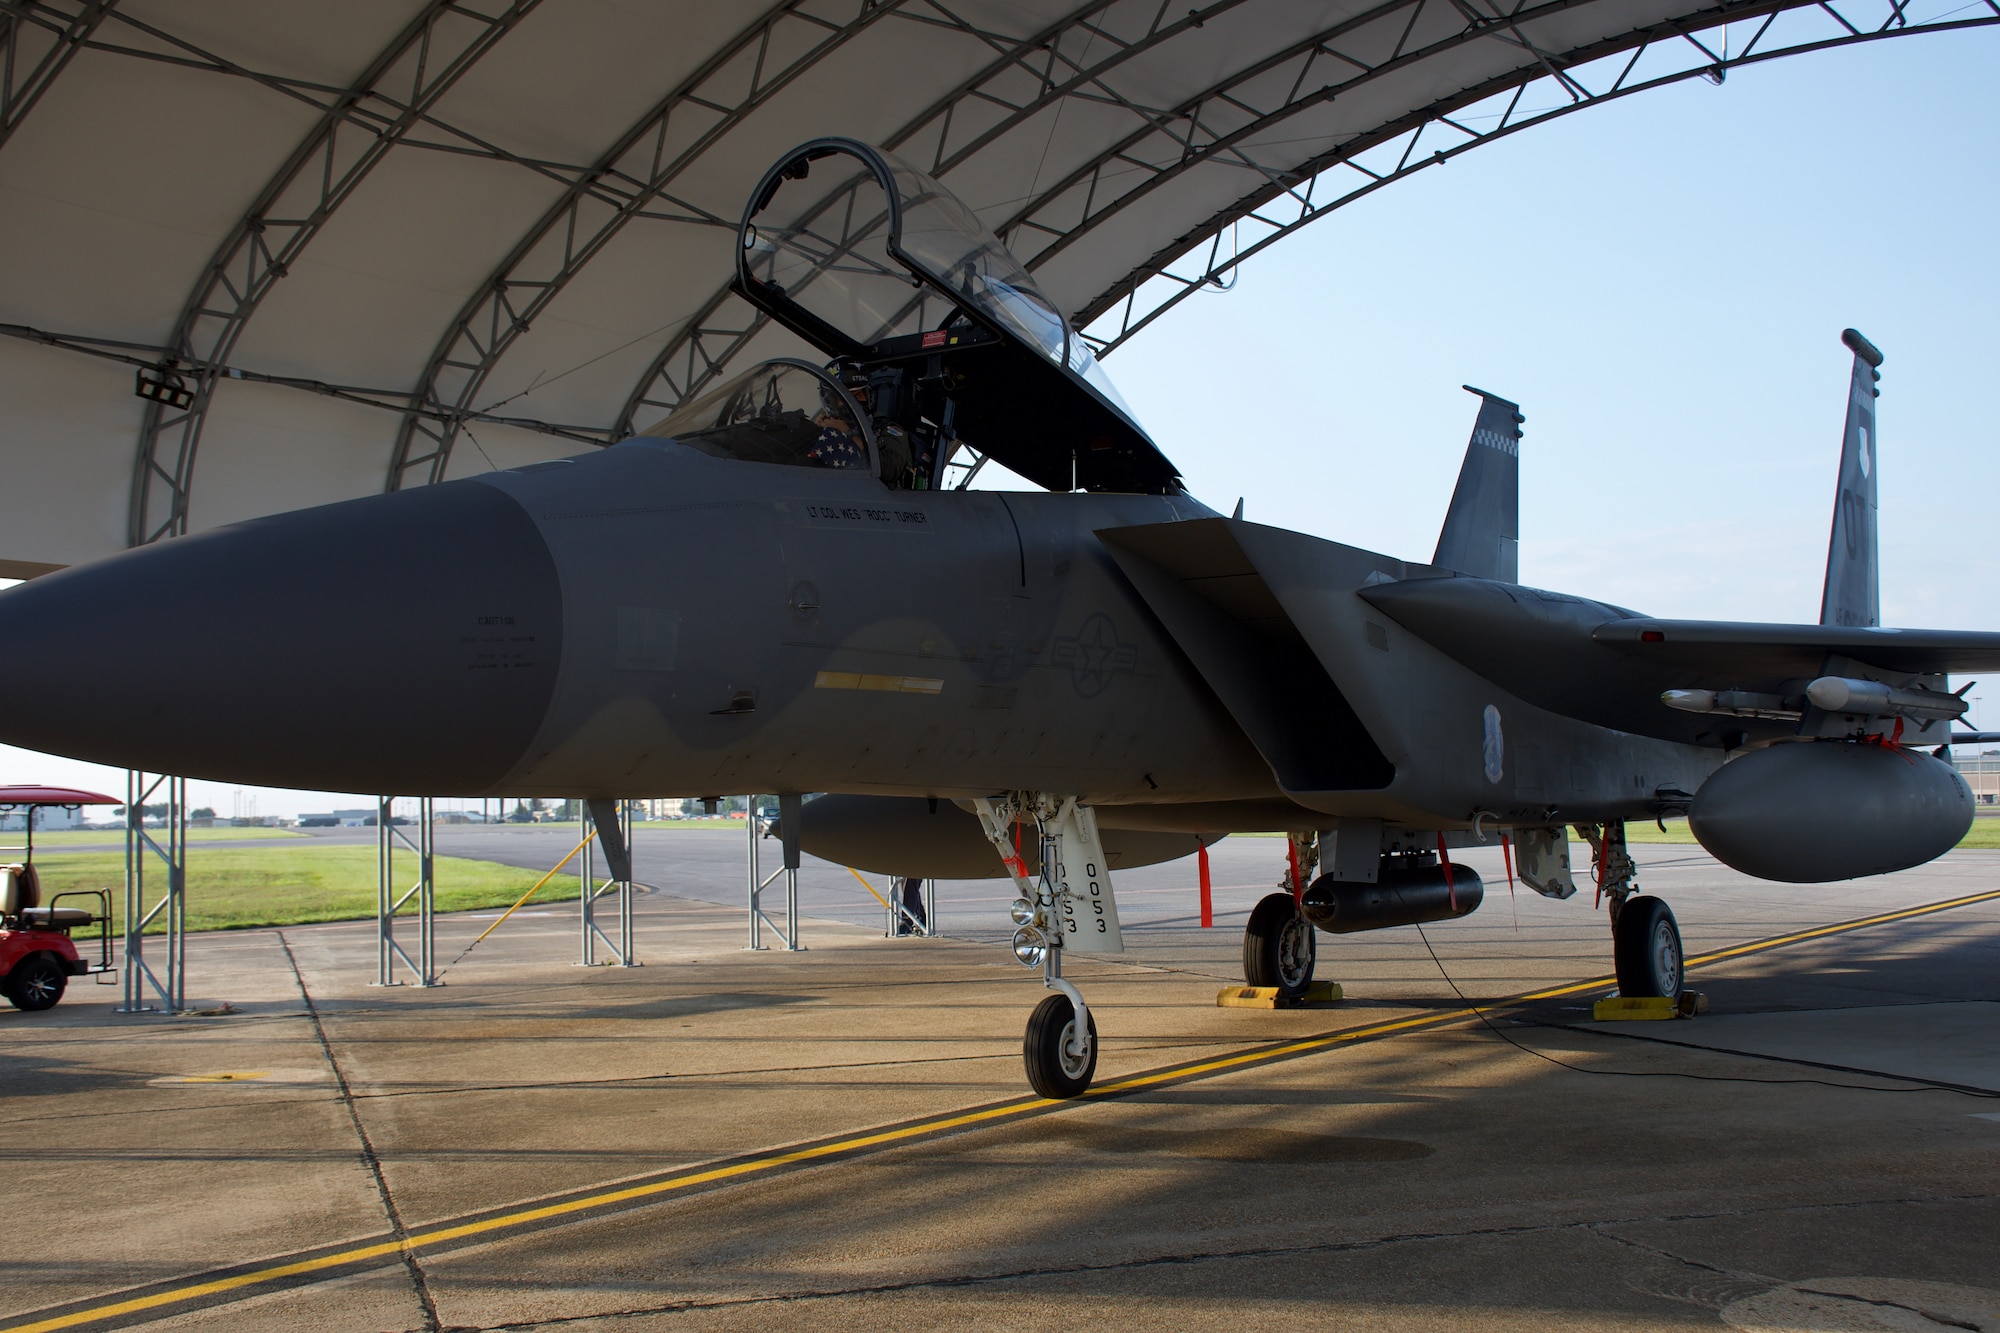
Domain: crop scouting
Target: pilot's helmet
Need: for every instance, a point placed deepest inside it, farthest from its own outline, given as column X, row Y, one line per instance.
column 832, row 404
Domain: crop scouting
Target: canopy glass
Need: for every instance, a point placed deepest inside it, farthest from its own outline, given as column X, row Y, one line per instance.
column 887, row 271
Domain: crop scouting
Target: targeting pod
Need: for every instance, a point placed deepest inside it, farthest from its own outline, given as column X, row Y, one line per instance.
column 1400, row 896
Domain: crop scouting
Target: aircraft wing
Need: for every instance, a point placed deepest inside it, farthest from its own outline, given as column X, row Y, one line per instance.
column 1787, row 652
column 1606, row 665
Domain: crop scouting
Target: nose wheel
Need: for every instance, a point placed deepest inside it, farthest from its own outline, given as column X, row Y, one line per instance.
column 1060, row 1059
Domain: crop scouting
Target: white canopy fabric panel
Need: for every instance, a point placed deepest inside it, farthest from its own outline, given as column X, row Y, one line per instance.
column 384, row 242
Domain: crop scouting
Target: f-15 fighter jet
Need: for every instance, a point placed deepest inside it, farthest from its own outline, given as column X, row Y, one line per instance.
column 1044, row 685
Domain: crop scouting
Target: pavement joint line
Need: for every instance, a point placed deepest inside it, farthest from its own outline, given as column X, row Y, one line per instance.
column 197, row 1293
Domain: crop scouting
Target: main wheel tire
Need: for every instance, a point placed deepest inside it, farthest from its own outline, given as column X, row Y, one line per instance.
column 1278, row 946
column 1054, row 1070
column 1646, row 947
column 36, row 983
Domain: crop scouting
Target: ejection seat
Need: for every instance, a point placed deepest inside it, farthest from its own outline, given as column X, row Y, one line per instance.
column 21, row 899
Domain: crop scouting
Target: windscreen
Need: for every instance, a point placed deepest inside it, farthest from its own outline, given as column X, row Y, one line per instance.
column 779, row 412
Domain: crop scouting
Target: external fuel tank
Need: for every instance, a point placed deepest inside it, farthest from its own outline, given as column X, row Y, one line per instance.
column 1813, row 811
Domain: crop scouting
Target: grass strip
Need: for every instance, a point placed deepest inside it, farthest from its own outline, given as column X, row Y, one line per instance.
column 292, row 885
column 83, row 837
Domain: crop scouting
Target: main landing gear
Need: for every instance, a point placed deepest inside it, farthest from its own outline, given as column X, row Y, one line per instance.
column 1645, row 939
column 1279, row 944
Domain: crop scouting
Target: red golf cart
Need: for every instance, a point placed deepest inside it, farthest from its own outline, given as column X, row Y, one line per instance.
column 38, row 955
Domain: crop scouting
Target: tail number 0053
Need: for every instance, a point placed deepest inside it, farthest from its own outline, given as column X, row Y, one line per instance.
column 1093, row 889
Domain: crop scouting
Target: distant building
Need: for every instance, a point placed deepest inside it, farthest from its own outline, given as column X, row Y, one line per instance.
column 1981, row 773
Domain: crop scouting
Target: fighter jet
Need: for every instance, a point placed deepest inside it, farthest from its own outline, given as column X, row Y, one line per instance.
column 1044, row 685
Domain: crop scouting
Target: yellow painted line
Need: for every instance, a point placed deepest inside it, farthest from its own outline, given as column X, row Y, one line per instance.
column 861, row 680
column 237, row 1076
column 1842, row 927
column 879, row 1138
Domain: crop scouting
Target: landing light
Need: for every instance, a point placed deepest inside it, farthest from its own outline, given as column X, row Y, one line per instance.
column 1030, row 947
column 1022, row 911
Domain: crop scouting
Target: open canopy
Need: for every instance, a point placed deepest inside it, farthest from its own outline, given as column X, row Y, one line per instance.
column 877, row 264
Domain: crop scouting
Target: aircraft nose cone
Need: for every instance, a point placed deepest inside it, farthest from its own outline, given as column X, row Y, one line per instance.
column 401, row 644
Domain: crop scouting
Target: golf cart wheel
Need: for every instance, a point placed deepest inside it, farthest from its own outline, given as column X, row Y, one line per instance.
column 36, row 983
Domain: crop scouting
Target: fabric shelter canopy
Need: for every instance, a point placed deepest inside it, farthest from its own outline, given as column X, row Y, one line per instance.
column 342, row 248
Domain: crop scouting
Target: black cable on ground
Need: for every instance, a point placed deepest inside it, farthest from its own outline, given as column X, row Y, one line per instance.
column 1923, row 1085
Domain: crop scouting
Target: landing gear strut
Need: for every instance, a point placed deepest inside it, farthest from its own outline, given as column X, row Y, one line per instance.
column 1279, row 944
column 1069, row 905
column 1645, row 939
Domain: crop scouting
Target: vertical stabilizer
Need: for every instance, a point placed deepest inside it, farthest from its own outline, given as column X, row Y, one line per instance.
column 1482, row 529
column 1853, row 572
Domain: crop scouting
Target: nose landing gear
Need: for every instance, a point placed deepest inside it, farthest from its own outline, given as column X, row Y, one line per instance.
column 1068, row 905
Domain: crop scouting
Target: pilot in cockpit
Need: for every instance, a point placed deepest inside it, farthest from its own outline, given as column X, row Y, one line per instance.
column 840, row 441
column 905, row 464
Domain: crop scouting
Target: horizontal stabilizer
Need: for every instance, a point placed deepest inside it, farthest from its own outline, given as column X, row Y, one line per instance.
column 1482, row 529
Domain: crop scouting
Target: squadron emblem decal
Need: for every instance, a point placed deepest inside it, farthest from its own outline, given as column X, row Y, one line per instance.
column 1094, row 655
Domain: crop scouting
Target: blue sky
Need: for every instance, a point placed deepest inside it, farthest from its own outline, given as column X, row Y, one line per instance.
column 1661, row 283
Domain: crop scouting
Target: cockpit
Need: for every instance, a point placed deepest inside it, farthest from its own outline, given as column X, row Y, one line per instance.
column 784, row 411
column 941, row 345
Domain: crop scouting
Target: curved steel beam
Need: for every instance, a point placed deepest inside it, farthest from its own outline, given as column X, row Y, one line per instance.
column 24, row 76
column 634, row 174
column 445, row 40
column 1205, row 127
column 707, row 343
column 1213, row 126
column 1402, row 139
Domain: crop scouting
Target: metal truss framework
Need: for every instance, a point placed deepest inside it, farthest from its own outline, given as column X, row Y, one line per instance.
column 1436, row 134
column 1219, row 125
column 150, row 988
column 706, row 345
column 632, row 178
column 391, row 898
column 592, row 891
column 357, row 128
column 1074, row 59
column 37, row 39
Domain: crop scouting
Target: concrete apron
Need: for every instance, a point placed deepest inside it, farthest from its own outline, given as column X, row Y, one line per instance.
column 1435, row 1176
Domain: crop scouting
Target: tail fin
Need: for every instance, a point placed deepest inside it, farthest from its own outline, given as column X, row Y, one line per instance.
column 1482, row 529
column 1853, row 572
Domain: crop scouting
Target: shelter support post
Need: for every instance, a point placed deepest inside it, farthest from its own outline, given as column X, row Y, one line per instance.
column 613, row 822
column 906, row 914
column 389, row 900
column 788, row 807
column 160, row 974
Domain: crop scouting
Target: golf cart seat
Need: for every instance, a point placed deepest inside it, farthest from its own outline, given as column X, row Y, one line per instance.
column 20, row 889
column 55, row 918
